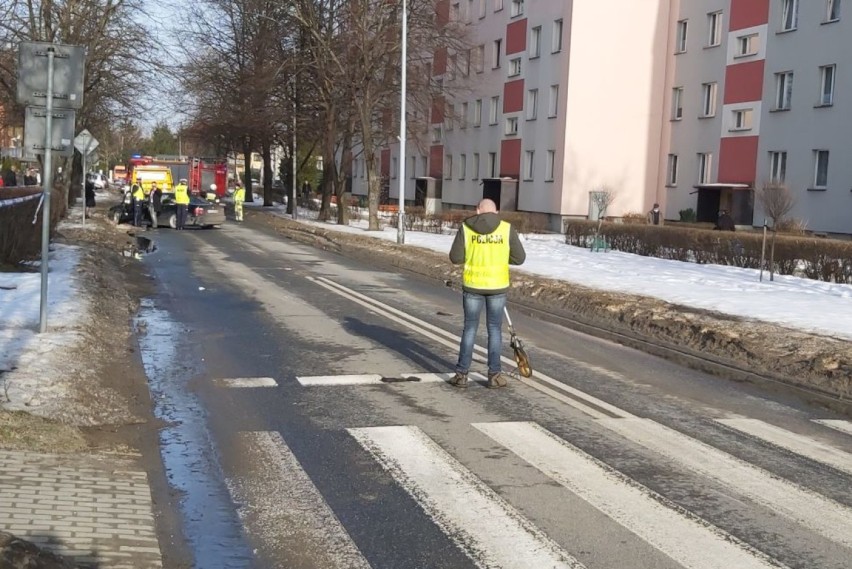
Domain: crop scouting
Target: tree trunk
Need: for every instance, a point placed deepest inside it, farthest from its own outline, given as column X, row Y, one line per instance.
column 266, row 151
column 291, row 191
column 247, row 167
column 373, row 185
column 340, row 186
column 772, row 254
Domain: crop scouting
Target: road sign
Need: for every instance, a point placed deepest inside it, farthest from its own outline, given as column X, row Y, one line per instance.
column 35, row 127
column 85, row 142
column 69, row 64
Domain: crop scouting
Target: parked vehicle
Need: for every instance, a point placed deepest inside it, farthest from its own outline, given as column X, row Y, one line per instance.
column 200, row 212
column 99, row 180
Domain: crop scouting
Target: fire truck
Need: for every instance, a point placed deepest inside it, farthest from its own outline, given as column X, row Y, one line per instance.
column 200, row 173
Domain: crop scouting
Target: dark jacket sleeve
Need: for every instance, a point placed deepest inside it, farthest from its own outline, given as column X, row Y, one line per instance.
column 517, row 255
column 457, row 250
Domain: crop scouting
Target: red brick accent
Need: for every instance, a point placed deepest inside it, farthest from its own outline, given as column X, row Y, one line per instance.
column 738, row 160
column 744, row 82
column 439, row 62
column 436, row 161
column 442, row 13
column 386, row 163
column 516, row 37
column 513, row 96
column 510, row 158
column 748, row 13
column 438, row 110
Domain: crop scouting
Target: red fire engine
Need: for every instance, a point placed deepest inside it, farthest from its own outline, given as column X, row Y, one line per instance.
column 200, row 173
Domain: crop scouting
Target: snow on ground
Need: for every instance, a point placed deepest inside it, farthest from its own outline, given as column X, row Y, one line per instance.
column 804, row 304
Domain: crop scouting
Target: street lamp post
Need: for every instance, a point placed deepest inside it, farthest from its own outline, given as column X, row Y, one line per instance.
column 400, row 232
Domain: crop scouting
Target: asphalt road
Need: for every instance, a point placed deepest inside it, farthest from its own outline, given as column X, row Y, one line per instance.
column 309, row 428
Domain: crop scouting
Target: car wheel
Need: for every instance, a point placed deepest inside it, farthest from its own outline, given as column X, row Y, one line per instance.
column 116, row 217
column 173, row 221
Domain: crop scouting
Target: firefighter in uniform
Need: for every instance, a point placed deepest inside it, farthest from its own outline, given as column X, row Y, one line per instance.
column 239, row 198
column 138, row 198
column 486, row 246
column 181, row 203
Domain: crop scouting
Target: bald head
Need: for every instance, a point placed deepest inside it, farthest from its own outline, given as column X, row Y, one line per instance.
column 486, row 206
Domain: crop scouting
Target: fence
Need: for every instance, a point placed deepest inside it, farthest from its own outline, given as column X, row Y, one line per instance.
column 20, row 238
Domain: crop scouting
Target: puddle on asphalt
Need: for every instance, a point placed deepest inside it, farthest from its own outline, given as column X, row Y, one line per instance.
column 209, row 518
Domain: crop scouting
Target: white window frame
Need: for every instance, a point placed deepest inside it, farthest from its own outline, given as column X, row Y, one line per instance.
column 465, row 110
column 535, row 42
column 549, row 165
column 492, row 164
column 818, row 160
column 515, row 67
column 682, row 36
column 511, row 126
column 556, row 42
column 532, row 104
column 476, row 162
column 425, row 161
column 748, row 45
column 709, row 93
column 482, row 8
column 778, row 166
column 553, row 102
column 832, row 11
column 479, row 64
column 462, row 166
column 742, row 119
column 498, row 5
column 494, row 110
column 448, row 166
column 477, row 113
column 413, row 173
column 437, row 133
column 517, row 8
column 714, row 25
column 783, row 91
column 827, row 83
column 705, row 167
column 529, row 165
column 672, row 171
column 449, row 117
column 789, row 15
column 677, row 103
column 452, row 66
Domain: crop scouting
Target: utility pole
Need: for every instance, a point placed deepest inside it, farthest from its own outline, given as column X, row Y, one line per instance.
column 400, row 231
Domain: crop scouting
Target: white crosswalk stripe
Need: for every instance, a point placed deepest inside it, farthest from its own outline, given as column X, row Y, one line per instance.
column 247, row 382
column 837, row 425
column 813, row 511
column 793, row 442
column 687, row 539
column 481, row 523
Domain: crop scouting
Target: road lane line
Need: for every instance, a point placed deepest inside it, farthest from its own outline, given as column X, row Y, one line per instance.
column 805, row 507
column 837, row 425
column 793, row 442
column 679, row 534
column 281, row 507
column 247, row 382
column 376, row 379
column 580, row 400
column 480, row 522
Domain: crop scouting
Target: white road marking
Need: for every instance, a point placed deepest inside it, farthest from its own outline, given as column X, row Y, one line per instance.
column 375, row 379
column 280, row 504
column 554, row 388
column 793, row 442
column 486, row 527
column 684, row 537
column 805, row 507
column 837, row 425
column 247, row 382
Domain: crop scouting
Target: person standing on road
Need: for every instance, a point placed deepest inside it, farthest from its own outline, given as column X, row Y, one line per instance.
column 138, row 195
column 155, row 200
column 486, row 246
column 89, row 196
column 181, row 203
column 239, row 198
column 655, row 216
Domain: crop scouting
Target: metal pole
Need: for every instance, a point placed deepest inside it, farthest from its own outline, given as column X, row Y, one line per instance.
column 400, row 231
column 47, row 180
column 293, row 158
column 763, row 251
column 85, row 156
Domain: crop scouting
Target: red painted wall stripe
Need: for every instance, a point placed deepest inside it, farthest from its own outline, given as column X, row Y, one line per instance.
column 510, row 158
column 438, row 110
column 442, row 13
column 436, row 161
column 744, row 82
column 738, row 160
column 748, row 13
column 386, row 162
column 516, row 37
column 439, row 61
column 513, row 96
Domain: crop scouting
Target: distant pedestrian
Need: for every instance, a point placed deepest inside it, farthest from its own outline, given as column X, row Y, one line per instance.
column 138, row 195
column 239, row 198
column 725, row 222
column 486, row 246
column 10, row 177
column 155, row 204
column 181, row 203
column 30, row 178
column 655, row 216
column 89, row 196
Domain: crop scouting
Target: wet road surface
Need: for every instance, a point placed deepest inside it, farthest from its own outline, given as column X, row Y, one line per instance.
column 271, row 363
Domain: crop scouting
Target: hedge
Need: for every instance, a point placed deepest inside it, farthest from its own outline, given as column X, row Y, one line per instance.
column 827, row 260
column 20, row 239
column 416, row 219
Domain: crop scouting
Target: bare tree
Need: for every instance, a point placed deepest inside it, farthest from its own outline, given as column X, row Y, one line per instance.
column 602, row 198
column 777, row 202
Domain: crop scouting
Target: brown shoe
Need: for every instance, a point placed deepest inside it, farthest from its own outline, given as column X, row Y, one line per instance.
column 459, row 380
column 496, row 380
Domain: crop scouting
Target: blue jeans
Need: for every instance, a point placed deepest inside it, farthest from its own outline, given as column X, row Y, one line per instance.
column 473, row 304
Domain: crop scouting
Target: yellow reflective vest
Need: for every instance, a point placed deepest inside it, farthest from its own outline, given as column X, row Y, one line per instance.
column 486, row 258
column 181, row 194
column 239, row 195
column 139, row 194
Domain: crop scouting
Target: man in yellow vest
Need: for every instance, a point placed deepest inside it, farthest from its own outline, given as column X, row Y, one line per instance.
column 181, row 203
column 239, row 198
column 138, row 198
column 486, row 246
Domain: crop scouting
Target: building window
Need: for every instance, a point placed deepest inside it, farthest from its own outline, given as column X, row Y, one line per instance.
column 425, row 161
column 511, row 126
column 557, row 36
column 476, row 163
column 465, row 108
column 462, row 166
column 708, row 100
column 677, row 103
column 742, row 119
column 748, row 45
column 682, row 28
column 535, row 42
column 705, row 166
column 671, row 171
column 517, row 7
column 452, row 64
column 482, row 5
column 783, row 90
column 477, row 113
column 468, row 16
column 532, row 104
column 394, row 167
column 413, row 173
column 790, row 15
column 548, row 165
column 492, row 164
column 714, row 23
column 820, row 169
column 454, row 12
column 833, row 12
column 777, row 167
column 497, row 52
column 529, row 166
column 449, row 117
column 553, row 104
column 436, row 133
column 498, row 5
column 479, row 59
column 466, row 56
column 827, row 74
column 448, row 166
column 515, row 67
column 495, row 109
